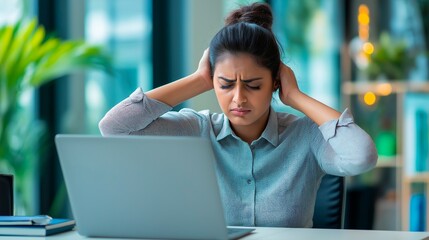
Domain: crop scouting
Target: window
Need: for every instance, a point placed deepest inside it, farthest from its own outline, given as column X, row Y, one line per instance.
column 125, row 29
column 22, row 132
column 310, row 35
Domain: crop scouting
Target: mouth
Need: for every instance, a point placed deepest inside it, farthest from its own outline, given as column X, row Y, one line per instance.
column 240, row 111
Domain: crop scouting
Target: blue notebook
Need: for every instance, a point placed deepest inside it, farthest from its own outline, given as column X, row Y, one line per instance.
column 417, row 212
column 56, row 225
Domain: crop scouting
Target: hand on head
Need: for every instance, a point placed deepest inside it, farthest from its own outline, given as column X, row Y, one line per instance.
column 204, row 69
column 288, row 84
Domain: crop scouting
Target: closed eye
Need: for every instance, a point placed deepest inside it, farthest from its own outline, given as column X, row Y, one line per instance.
column 225, row 86
column 229, row 86
column 254, row 87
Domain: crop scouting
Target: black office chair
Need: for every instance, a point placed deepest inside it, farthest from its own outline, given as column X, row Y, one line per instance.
column 6, row 195
column 330, row 200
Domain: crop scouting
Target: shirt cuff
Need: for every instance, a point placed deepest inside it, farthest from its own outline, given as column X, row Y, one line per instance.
column 137, row 95
column 329, row 129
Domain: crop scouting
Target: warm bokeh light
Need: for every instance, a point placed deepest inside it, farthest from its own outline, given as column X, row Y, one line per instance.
column 384, row 89
column 363, row 19
column 368, row 48
column 363, row 9
column 364, row 33
column 369, row 98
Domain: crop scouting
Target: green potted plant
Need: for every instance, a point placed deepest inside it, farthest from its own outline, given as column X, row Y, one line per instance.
column 391, row 60
column 28, row 59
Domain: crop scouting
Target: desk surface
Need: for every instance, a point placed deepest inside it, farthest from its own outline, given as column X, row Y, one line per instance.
column 285, row 233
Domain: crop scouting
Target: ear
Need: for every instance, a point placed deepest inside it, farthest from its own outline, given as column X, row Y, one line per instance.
column 276, row 84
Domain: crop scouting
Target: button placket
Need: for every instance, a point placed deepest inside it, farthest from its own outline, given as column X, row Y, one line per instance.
column 251, row 181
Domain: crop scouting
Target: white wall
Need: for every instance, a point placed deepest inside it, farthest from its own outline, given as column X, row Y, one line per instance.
column 205, row 19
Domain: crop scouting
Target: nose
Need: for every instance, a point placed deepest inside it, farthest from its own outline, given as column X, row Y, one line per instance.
column 239, row 96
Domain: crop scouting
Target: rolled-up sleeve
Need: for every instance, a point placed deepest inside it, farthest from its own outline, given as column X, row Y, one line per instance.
column 134, row 114
column 344, row 148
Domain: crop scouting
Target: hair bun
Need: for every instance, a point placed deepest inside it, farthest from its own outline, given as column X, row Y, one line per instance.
column 258, row 13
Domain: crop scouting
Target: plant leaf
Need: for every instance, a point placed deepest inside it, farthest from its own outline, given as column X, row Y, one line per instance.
column 5, row 39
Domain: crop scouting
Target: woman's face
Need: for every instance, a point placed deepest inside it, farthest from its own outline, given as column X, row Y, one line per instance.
column 244, row 90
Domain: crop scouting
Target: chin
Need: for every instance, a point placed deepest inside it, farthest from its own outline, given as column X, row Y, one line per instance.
column 238, row 121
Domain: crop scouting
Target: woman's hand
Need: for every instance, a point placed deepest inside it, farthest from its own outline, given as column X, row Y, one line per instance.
column 204, row 71
column 291, row 95
column 288, row 85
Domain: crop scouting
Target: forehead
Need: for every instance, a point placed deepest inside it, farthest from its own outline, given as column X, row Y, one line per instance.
column 239, row 63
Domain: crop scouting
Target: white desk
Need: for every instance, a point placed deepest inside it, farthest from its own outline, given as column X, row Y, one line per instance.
column 284, row 233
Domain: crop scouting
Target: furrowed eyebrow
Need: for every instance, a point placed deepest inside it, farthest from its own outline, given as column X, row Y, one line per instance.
column 251, row 80
column 245, row 81
column 228, row 80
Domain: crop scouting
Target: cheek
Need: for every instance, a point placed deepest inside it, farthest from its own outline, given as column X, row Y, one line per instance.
column 221, row 96
column 223, row 99
column 265, row 98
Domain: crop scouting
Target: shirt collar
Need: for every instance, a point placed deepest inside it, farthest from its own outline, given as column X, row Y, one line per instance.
column 225, row 130
column 270, row 132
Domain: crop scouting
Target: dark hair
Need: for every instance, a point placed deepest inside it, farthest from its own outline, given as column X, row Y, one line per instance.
column 248, row 30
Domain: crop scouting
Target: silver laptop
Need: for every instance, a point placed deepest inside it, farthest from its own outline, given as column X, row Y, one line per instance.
column 143, row 187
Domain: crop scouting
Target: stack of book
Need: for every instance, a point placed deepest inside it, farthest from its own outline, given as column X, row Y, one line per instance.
column 33, row 225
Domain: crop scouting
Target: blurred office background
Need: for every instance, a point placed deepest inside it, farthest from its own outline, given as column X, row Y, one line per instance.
column 367, row 55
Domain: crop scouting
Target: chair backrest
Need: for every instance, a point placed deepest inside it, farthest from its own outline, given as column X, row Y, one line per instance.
column 6, row 195
column 330, row 200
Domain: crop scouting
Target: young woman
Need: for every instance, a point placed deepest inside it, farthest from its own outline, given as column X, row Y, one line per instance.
column 269, row 164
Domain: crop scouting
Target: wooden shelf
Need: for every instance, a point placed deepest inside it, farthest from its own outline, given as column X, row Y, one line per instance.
column 387, row 162
column 403, row 180
column 362, row 87
column 417, row 177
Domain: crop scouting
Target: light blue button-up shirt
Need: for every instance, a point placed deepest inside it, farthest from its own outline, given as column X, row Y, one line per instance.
column 274, row 180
